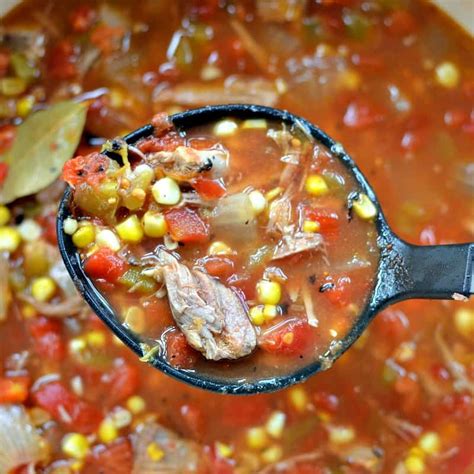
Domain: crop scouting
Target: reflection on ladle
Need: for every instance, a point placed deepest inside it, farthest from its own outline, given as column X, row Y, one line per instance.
column 403, row 271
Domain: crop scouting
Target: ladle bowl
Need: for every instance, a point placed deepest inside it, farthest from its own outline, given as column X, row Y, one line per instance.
column 404, row 271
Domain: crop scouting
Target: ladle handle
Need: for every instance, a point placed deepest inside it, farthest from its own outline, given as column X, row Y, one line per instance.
column 437, row 271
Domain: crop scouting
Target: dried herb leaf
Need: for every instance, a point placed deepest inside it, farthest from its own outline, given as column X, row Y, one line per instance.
column 44, row 142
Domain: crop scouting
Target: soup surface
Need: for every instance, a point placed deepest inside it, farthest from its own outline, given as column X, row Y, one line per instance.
column 392, row 80
column 281, row 260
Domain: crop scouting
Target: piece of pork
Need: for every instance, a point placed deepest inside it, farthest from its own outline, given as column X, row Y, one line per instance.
column 180, row 455
column 293, row 242
column 211, row 316
column 186, row 163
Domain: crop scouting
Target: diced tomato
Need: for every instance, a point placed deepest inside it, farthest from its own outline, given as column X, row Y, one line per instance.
column 391, row 325
column 249, row 414
column 362, row 114
column 290, row 338
column 4, row 63
column 186, row 226
column 48, row 224
column 168, row 142
column 123, row 381
column 220, row 267
column 62, row 59
column 209, row 188
column 179, row 353
column 327, row 218
column 67, row 408
column 14, row 389
column 7, row 137
column 107, row 38
column 245, row 284
column 48, row 340
column 193, row 420
column 3, row 172
column 82, row 18
column 400, row 23
column 338, row 290
column 106, row 265
column 90, row 169
column 115, row 458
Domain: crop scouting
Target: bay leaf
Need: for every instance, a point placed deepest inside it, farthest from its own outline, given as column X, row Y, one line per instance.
column 44, row 142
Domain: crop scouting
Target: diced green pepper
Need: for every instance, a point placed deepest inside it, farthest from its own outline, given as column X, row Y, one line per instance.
column 133, row 279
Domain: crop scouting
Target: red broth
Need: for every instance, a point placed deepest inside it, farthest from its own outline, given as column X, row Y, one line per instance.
column 255, row 214
column 393, row 81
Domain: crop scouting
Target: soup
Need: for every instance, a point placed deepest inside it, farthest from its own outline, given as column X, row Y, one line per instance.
column 392, row 80
column 268, row 268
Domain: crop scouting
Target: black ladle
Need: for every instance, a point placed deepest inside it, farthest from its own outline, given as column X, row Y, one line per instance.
column 404, row 271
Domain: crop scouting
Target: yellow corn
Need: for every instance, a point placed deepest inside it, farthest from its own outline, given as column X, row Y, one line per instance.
column 75, row 445
column 108, row 432
column 10, row 239
column 154, row 452
column 84, row 236
column 24, row 106
column 464, row 322
column 298, row 398
column 270, row 311
column 257, row 438
column 275, row 424
column 223, row 450
column 341, row 434
column 77, row 344
column 166, row 191
column 96, row 338
column 258, row 202
column 447, row 75
column 43, row 288
column 219, row 248
column 316, row 185
column 106, row 238
column 268, row 292
column 311, row 227
column 70, row 226
column 130, row 230
column 154, row 224
column 256, row 315
column 225, row 128
column 272, row 454
column 136, row 404
column 254, row 123
column 28, row 311
column 430, row 442
column 364, row 207
column 414, row 464
column 5, row 215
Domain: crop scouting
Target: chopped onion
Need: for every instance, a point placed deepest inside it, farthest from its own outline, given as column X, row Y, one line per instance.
column 308, row 305
column 20, row 444
column 234, row 210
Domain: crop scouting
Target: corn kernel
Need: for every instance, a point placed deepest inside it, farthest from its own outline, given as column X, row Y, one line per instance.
column 28, row 311
column 77, row 344
column 275, row 424
column 258, row 202
column 298, row 398
column 219, row 248
column 350, row 79
column 223, row 450
column 24, row 106
column 447, row 75
column 311, row 227
column 254, row 123
column 316, row 185
column 75, row 445
column 43, row 288
column 166, row 191
column 30, row 230
column 341, row 434
column 5, row 215
column 107, row 238
column 268, row 292
column 154, row 224
column 225, row 128
column 10, row 239
column 135, row 319
column 364, row 207
column 154, row 452
column 273, row 193
column 464, row 322
column 70, row 226
column 257, row 438
column 77, row 465
column 210, row 72
column 430, row 442
column 108, row 432
column 256, row 315
column 270, row 311
column 414, row 464
column 136, row 404
column 84, row 236
column 96, row 339
column 130, row 230
column 121, row 417
column 272, row 454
